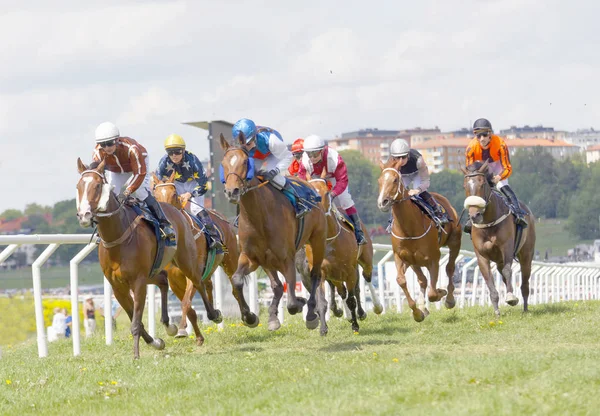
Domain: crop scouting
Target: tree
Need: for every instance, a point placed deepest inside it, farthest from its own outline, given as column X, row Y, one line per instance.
column 449, row 183
column 11, row 214
column 36, row 209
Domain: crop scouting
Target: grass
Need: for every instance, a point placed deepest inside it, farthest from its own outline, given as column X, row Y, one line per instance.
column 455, row 362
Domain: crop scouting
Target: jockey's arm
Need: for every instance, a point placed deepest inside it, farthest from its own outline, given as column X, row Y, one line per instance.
column 281, row 152
column 423, row 175
column 341, row 177
column 201, row 178
column 469, row 156
column 505, row 160
column 138, row 168
column 161, row 169
column 302, row 171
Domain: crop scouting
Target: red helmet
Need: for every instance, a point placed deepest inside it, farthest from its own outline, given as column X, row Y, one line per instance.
column 298, row 146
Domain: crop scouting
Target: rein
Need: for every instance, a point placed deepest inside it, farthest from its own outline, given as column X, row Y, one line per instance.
column 244, row 181
column 487, row 202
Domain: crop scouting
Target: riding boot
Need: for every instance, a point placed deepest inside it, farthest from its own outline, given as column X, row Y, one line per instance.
column 390, row 223
column 214, row 240
column 157, row 211
column 438, row 210
column 358, row 232
column 301, row 208
column 512, row 198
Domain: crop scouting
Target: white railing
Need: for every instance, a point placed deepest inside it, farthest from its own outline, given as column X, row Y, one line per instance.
column 549, row 283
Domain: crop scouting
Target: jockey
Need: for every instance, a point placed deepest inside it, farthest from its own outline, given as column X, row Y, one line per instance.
column 126, row 163
column 487, row 146
column 318, row 157
column 297, row 150
column 190, row 182
column 415, row 176
column 265, row 143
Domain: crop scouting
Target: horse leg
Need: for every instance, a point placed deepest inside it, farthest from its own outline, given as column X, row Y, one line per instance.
column 137, row 328
column 435, row 294
column 163, row 284
column 423, row 288
column 506, row 271
column 277, row 288
column 322, row 308
column 245, row 267
column 368, row 276
column 485, row 270
column 352, row 302
column 401, row 267
column 362, row 315
column 454, row 246
column 181, row 294
column 186, row 307
column 337, row 312
column 317, row 244
column 525, row 275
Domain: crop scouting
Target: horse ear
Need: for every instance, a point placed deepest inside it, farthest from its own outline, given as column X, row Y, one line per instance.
column 463, row 169
column 381, row 165
column 172, row 177
column 241, row 139
column 224, row 143
column 484, row 166
column 308, row 178
column 154, row 181
column 80, row 166
column 100, row 167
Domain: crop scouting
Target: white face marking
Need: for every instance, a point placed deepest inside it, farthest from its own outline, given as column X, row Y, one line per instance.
column 233, row 160
column 84, row 205
column 472, row 186
column 164, row 193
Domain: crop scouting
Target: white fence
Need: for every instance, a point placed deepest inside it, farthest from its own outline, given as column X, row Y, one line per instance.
column 549, row 283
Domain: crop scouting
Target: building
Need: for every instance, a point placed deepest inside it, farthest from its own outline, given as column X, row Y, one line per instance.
column 442, row 154
column 592, row 154
column 374, row 144
column 559, row 149
column 584, row 138
column 537, row 132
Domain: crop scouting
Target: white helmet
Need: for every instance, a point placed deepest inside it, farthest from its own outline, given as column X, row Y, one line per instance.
column 313, row 143
column 399, row 147
column 106, row 131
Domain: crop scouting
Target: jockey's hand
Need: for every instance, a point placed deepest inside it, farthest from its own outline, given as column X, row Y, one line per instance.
column 497, row 178
column 186, row 196
column 123, row 197
column 414, row 192
column 268, row 175
column 333, row 195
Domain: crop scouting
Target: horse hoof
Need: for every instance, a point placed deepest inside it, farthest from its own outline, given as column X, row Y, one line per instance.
column 274, row 325
column 355, row 328
column 377, row 309
column 313, row 323
column 418, row 315
column 324, row 331
column 337, row 313
column 171, row 330
column 425, row 312
column 182, row 333
column 199, row 342
column 252, row 321
column 362, row 316
column 219, row 318
column 158, row 344
column 511, row 299
column 450, row 303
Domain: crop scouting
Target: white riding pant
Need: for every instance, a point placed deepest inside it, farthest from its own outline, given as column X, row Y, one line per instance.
column 412, row 180
column 270, row 163
column 197, row 203
column 122, row 180
column 496, row 168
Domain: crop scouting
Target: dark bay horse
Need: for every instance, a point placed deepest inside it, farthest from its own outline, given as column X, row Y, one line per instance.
column 128, row 249
column 415, row 239
column 268, row 231
column 340, row 266
column 165, row 191
column 494, row 232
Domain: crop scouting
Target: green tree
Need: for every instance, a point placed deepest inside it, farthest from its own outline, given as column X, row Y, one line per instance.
column 449, row 183
column 11, row 214
column 36, row 209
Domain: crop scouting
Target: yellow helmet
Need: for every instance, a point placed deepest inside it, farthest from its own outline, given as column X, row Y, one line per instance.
column 174, row 141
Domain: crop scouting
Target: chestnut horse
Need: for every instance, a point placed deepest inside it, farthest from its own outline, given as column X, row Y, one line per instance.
column 268, row 231
column 415, row 239
column 493, row 234
column 165, row 191
column 128, row 249
column 340, row 267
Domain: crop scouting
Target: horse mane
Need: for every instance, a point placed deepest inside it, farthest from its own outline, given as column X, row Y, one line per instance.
column 475, row 166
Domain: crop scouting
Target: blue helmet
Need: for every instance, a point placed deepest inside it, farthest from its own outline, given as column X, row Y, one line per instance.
column 246, row 127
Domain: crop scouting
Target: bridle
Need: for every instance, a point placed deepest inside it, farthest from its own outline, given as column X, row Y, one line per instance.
column 487, row 202
column 401, row 189
column 489, row 195
column 245, row 188
column 95, row 213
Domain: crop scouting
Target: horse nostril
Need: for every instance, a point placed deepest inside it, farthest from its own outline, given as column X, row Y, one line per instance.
column 385, row 201
column 235, row 192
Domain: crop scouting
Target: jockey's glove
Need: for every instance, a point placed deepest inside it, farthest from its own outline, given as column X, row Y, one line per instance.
column 268, row 175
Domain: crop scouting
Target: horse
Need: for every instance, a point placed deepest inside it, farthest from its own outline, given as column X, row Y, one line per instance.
column 340, row 267
column 415, row 240
column 494, row 237
column 270, row 234
column 165, row 191
column 128, row 250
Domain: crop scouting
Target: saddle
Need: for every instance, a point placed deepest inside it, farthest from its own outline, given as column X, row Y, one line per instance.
column 306, row 194
column 202, row 227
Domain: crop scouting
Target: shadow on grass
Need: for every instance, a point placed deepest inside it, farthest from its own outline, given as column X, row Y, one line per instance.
column 554, row 309
column 355, row 345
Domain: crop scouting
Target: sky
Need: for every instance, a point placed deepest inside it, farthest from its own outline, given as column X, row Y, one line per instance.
column 308, row 67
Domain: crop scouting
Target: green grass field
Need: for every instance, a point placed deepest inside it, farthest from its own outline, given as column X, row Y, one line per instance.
column 455, row 362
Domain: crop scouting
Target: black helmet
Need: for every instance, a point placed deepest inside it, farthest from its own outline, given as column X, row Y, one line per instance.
column 482, row 124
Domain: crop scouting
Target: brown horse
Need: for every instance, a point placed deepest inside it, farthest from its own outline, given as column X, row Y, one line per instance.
column 165, row 191
column 340, row 267
column 128, row 249
column 415, row 239
column 493, row 235
column 268, row 231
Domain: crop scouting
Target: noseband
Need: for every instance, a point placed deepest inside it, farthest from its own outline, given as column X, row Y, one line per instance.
column 401, row 189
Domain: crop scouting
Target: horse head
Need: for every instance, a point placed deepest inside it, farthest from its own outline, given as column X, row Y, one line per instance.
column 237, row 168
column 165, row 191
column 390, row 185
column 323, row 189
column 477, row 190
column 93, row 192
